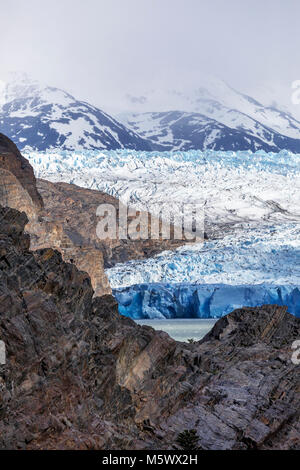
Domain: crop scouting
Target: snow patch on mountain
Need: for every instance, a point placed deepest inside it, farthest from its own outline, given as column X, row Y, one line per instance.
column 213, row 116
column 38, row 117
column 178, row 130
column 216, row 99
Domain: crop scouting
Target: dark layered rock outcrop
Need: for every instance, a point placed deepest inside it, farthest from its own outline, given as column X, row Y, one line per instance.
column 80, row 376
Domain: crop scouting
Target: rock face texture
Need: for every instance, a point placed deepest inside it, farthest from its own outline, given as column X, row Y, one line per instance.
column 18, row 190
column 68, row 223
column 75, row 209
column 46, row 232
column 80, row 376
column 17, row 180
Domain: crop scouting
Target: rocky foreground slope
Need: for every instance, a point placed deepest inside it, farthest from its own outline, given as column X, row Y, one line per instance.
column 80, row 376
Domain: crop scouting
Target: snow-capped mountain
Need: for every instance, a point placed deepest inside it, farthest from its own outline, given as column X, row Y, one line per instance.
column 178, row 130
column 39, row 117
column 214, row 116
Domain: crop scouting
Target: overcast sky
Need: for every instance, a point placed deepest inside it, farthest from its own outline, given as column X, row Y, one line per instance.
column 100, row 50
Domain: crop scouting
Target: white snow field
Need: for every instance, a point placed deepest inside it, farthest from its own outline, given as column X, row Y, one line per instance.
column 252, row 214
column 233, row 187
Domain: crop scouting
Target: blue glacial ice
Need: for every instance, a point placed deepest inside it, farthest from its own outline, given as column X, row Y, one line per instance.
column 264, row 255
column 245, row 268
column 201, row 301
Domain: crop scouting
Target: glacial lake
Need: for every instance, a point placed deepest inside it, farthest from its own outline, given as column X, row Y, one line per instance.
column 182, row 329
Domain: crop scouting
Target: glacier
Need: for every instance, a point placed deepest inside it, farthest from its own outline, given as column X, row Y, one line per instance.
column 255, row 267
column 201, row 301
column 252, row 214
column 233, row 187
column 265, row 255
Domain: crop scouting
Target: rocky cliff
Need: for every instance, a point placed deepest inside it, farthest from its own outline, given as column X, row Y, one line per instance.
column 63, row 216
column 80, row 376
column 68, row 223
column 75, row 209
column 17, row 180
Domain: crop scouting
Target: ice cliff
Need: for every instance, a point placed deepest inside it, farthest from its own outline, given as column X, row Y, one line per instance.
column 201, row 301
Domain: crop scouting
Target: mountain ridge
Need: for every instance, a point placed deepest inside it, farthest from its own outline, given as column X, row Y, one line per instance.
column 217, row 117
column 262, row 126
column 181, row 130
column 43, row 118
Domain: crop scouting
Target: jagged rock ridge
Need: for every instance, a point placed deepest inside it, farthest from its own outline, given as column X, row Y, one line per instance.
column 80, row 376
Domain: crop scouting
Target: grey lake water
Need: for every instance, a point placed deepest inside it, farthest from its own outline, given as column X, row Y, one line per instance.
column 182, row 329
